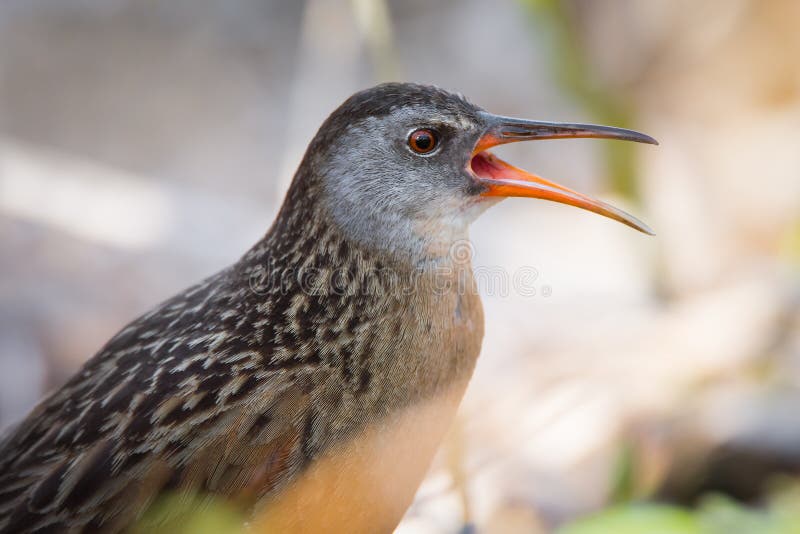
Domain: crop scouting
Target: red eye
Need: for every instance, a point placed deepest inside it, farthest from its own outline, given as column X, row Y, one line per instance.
column 422, row 141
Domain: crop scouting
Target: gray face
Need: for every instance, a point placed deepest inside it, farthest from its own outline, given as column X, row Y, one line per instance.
column 385, row 194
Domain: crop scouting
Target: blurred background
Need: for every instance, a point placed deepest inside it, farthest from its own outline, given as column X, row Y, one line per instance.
column 637, row 385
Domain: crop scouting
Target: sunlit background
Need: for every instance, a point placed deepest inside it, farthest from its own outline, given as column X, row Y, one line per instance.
column 146, row 144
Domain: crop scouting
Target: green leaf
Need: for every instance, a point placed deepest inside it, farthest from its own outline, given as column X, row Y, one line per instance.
column 637, row 519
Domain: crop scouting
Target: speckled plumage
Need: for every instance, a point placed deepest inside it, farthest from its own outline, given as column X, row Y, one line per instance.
column 311, row 382
column 236, row 385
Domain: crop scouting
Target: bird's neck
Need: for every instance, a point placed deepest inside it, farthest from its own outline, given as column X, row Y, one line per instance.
column 426, row 309
column 308, row 224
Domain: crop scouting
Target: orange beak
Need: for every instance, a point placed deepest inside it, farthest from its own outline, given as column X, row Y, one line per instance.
column 499, row 179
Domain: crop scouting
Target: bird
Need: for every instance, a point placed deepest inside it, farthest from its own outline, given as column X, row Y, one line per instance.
column 310, row 382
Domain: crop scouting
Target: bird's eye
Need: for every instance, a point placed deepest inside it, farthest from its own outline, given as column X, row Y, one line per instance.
column 423, row 141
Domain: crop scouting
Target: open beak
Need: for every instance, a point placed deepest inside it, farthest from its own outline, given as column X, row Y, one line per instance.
column 500, row 179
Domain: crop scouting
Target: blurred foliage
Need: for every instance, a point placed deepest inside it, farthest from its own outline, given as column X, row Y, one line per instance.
column 572, row 70
column 374, row 22
column 637, row 518
column 624, row 480
column 790, row 246
column 178, row 513
column 715, row 514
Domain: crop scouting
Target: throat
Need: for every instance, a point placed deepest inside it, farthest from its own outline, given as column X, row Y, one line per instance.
column 417, row 243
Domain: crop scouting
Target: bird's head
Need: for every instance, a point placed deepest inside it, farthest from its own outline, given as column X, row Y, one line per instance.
column 407, row 167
